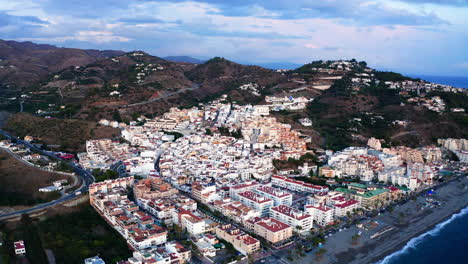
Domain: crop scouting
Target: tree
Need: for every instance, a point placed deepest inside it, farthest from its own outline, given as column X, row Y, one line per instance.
column 319, row 254
column 355, row 239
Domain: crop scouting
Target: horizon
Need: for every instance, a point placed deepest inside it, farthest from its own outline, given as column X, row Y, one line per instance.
column 425, row 37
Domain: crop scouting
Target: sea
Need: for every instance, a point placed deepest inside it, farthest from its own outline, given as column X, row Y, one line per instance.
column 459, row 82
column 446, row 243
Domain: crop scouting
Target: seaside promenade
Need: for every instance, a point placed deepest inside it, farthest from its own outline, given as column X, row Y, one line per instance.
column 405, row 222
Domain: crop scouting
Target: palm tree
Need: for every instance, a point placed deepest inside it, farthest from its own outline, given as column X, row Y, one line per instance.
column 355, row 239
column 401, row 216
column 319, row 253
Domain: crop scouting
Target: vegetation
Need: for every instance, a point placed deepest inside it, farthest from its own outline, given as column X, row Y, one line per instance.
column 11, row 198
column 385, row 76
column 307, row 68
column 452, row 100
column 313, row 180
column 76, row 236
column 19, row 184
column 27, row 231
column 319, row 253
column 225, row 132
column 101, row 175
column 177, row 135
column 70, row 134
column 63, row 166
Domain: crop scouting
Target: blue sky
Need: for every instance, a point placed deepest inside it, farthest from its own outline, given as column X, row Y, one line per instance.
column 410, row 36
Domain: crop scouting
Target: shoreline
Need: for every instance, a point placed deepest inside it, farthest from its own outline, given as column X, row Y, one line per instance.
column 401, row 245
column 417, row 220
column 419, row 225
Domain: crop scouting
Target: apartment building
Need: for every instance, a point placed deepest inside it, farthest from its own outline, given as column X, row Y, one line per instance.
column 368, row 197
column 273, row 230
column 152, row 188
column 137, row 227
column 194, row 224
column 235, row 210
column 322, row 214
column 203, row 192
column 161, row 210
column 301, row 222
column 107, row 185
column 256, row 201
column 243, row 187
column 295, row 185
column 241, row 241
column 278, row 196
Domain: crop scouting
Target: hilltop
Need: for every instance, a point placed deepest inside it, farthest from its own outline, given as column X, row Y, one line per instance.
column 25, row 63
column 186, row 59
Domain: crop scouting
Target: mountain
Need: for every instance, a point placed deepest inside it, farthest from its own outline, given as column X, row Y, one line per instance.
column 186, row 59
column 25, row 63
column 277, row 65
column 221, row 76
column 352, row 102
column 97, row 90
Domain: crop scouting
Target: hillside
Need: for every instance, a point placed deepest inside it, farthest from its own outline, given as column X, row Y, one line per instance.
column 218, row 76
column 352, row 102
column 352, row 111
column 69, row 134
column 25, row 63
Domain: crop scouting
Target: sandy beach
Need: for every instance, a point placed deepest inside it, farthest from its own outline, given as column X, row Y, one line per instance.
column 405, row 222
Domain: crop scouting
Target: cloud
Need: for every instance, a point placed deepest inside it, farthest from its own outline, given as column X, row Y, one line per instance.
column 389, row 32
column 311, row 46
column 16, row 26
column 140, row 20
column 358, row 12
column 6, row 19
column 439, row 2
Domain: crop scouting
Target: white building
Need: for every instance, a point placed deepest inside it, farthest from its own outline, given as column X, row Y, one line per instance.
column 301, row 221
column 322, row 215
column 20, row 248
column 94, row 260
column 246, row 186
column 256, row 201
column 278, row 196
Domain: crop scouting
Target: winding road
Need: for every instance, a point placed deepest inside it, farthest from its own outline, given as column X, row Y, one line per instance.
column 193, row 87
column 86, row 176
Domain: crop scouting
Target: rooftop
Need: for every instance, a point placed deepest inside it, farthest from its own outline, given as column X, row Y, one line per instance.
column 272, row 224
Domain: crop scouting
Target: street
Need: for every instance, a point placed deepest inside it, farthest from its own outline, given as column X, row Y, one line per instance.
column 85, row 175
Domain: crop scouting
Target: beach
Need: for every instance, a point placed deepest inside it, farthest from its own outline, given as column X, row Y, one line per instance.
column 406, row 222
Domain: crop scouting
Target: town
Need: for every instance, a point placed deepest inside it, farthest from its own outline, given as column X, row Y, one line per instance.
column 199, row 185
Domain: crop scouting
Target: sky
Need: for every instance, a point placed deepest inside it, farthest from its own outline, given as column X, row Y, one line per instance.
column 409, row 36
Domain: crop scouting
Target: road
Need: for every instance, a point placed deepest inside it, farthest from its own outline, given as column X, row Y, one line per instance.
column 193, row 87
column 62, row 192
column 37, row 207
column 86, row 176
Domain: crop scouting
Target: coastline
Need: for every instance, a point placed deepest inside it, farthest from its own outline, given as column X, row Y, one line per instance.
column 381, row 258
column 417, row 222
column 454, row 200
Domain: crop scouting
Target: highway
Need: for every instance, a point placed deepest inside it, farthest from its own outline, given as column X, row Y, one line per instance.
column 86, row 176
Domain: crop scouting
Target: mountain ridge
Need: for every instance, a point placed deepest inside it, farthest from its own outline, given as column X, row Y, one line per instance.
column 93, row 85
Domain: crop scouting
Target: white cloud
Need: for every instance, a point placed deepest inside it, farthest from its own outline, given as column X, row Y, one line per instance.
column 311, row 46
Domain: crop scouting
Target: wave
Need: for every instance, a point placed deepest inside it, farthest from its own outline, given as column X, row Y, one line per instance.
column 415, row 241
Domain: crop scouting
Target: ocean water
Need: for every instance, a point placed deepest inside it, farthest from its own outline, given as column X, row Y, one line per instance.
column 447, row 243
column 459, row 82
